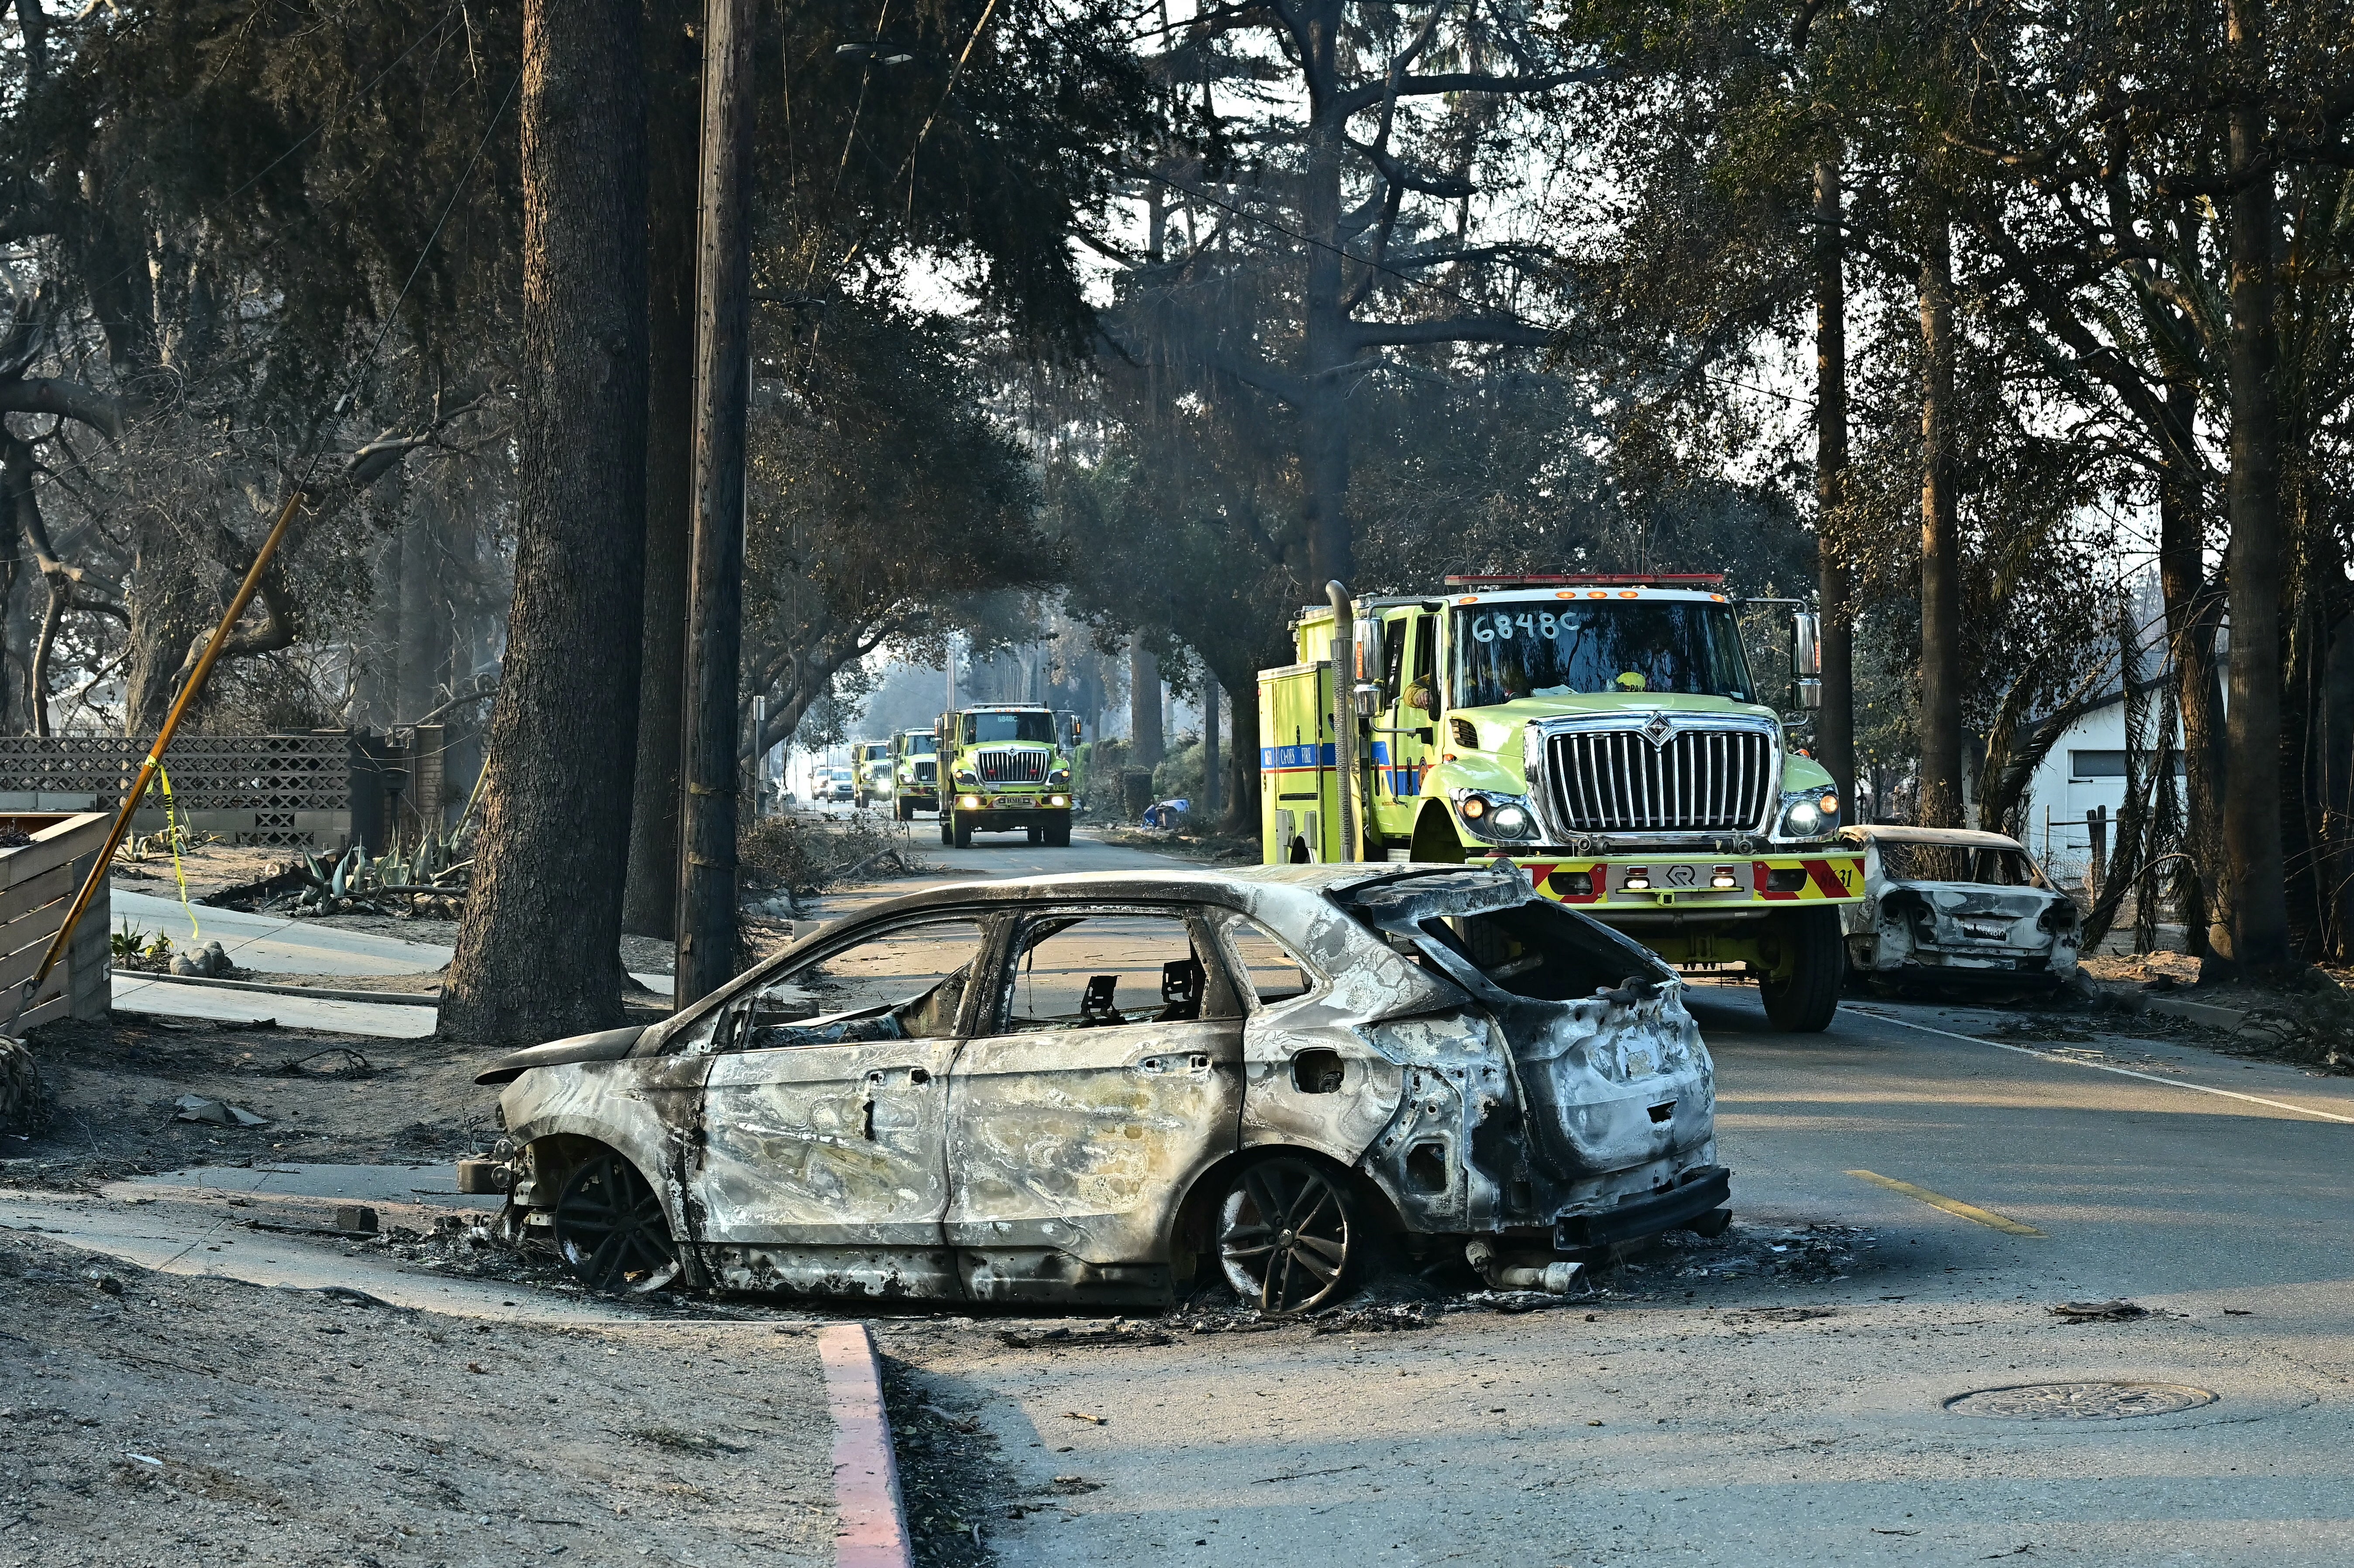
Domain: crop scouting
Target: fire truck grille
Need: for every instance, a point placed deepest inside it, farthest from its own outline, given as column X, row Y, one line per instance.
column 1012, row 767
column 1701, row 781
column 928, row 772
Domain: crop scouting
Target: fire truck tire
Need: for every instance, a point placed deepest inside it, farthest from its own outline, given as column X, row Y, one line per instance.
column 902, row 810
column 1035, row 835
column 947, row 832
column 1803, row 1001
column 1058, row 836
column 963, row 834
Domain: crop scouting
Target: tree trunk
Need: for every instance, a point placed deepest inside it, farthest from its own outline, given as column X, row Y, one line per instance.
column 425, row 677
column 1242, row 759
column 2193, row 610
column 723, row 400
column 1145, row 745
column 1941, row 566
column 1213, row 786
column 538, row 954
column 1323, row 405
column 650, row 908
column 1835, row 721
column 2254, row 913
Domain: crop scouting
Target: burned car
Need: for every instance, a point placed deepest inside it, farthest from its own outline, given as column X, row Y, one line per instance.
column 1104, row 1088
column 1956, row 907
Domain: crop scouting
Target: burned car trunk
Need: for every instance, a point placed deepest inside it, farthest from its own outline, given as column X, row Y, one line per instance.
column 1095, row 1088
column 1956, row 908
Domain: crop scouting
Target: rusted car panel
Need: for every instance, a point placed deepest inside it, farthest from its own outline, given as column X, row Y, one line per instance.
column 1002, row 1121
column 1957, row 907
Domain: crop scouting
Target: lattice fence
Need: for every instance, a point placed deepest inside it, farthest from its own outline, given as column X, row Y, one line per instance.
column 248, row 788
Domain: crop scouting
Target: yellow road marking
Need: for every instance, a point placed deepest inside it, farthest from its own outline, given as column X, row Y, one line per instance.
column 1951, row 1205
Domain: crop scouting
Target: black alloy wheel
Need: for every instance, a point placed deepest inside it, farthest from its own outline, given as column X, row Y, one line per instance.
column 611, row 1228
column 1289, row 1236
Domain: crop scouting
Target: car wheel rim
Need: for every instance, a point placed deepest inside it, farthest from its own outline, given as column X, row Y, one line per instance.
column 610, row 1227
column 1283, row 1236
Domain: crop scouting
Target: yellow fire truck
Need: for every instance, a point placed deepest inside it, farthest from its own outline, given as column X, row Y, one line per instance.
column 1605, row 733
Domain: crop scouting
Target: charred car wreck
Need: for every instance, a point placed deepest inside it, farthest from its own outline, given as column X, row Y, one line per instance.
column 1953, row 906
column 1098, row 1088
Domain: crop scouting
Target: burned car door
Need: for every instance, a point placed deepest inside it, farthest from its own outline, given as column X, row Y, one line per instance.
column 1107, row 1078
column 823, row 1163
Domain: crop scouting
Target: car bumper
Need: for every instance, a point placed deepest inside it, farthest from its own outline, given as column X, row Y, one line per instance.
column 1698, row 1191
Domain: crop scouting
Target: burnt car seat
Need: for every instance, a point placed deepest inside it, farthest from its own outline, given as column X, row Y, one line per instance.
column 1181, row 991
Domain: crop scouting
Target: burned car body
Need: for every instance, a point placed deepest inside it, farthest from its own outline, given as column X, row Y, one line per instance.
column 1957, row 907
column 1095, row 1087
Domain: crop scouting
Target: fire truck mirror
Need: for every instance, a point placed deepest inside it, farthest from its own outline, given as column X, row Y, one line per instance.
column 1805, row 646
column 1373, row 655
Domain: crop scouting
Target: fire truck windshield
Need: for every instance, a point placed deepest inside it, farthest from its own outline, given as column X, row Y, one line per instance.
column 987, row 727
column 1537, row 649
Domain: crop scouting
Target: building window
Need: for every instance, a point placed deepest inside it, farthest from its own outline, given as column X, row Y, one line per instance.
column 2106, row 764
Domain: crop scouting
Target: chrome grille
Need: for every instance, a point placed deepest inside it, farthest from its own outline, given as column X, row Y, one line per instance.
column 1615, row 781
column 928, row 772
column 1012, row 767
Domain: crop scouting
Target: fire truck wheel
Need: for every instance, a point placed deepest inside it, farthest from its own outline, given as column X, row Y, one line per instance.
column 1035, row 835
column 901, row 810
column 1803, row 998
column 963, row 834
column 947, row 832
column 1059, row 835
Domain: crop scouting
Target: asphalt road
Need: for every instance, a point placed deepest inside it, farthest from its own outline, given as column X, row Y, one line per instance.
column 1733, row 1403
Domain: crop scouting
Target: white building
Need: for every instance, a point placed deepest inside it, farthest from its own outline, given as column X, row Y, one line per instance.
column 2085, row 770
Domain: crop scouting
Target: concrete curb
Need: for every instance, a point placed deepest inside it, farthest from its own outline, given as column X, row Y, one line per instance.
column 315, row 992
column 871, row 1528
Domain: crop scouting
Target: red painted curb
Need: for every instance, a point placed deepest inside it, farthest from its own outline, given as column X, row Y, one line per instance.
column 871, row 1524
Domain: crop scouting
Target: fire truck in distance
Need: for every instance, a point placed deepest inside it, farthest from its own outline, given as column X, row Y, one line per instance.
column 1604, row 731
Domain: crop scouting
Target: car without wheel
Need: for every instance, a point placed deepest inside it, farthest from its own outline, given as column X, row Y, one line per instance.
column 1956, row 908
column 1105, row 1088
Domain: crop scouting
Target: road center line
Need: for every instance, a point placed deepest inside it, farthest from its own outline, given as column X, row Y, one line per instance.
column 2105, row 1067
column 1951, row 1205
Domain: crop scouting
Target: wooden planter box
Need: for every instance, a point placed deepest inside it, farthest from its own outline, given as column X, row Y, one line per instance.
column 37, row 884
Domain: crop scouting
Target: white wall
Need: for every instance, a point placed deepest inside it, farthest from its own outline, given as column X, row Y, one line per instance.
column 2060, row 796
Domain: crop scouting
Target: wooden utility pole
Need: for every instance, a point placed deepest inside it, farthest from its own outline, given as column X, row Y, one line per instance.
column 1835, row 721
column 723, row 399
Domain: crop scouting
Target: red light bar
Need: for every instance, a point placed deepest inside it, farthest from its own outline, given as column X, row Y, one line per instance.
column 1705, row 582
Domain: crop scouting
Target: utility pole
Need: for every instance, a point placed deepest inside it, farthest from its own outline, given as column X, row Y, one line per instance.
column 723, row 397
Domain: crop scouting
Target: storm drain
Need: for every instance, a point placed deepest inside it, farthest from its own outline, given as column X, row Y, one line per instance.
column 2080, row 1401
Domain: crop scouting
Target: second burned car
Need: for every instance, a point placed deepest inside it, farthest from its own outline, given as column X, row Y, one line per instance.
column 1951, row 908
column 1105, row 1088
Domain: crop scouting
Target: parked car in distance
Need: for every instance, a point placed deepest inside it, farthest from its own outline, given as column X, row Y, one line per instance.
column 1955, row 907
column 1103, row 1088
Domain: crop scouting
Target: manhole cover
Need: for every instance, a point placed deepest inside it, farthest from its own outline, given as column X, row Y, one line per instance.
column 2081, row 1401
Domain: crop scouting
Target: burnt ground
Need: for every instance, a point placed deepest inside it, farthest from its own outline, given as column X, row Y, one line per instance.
column 149, row 1418
column 329, row 1099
